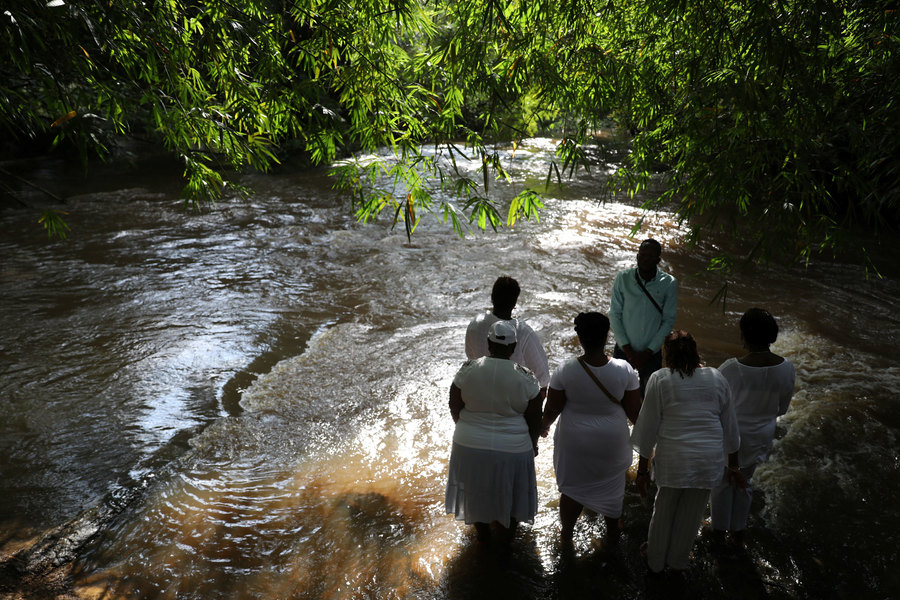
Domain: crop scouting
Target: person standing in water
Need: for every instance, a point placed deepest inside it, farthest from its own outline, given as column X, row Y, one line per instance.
column 642, row 311
column 687, row 424
column 762, row 384
column 496, row 406
column 529, row 351
column 591, row 394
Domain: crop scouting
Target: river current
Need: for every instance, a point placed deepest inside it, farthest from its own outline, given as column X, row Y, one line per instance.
column 268, row 380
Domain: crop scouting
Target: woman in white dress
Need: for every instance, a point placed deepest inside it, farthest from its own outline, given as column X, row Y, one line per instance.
column 591, row 452
column 687, row 418
column 762, row 384
column 496, row 405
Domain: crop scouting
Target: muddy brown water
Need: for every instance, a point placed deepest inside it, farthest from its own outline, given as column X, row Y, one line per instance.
column 272, row 376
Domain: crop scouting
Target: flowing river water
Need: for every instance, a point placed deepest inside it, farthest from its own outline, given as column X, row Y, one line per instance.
column 252, row 402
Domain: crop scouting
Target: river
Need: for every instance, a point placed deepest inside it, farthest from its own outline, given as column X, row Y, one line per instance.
column 255, row 397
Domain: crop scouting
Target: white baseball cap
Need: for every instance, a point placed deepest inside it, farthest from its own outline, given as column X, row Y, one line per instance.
column 502, row 332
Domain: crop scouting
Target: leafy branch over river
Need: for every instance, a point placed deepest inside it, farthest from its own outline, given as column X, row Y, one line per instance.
column 775, row 121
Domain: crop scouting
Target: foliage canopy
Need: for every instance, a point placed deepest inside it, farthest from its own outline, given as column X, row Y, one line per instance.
column 772, row 119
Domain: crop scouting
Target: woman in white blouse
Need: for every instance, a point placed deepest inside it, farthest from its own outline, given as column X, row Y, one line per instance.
column 762, row 384
column 687, row 418
column 496, row 405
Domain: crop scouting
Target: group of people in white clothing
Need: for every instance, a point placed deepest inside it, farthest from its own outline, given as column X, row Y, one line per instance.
column 700, row 432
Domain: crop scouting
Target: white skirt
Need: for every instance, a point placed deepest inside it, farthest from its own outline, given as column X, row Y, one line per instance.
column 485, row 486
column 591, row 454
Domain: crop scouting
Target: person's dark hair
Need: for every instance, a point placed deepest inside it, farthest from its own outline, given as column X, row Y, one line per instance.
column 651, row 243
column 681, row 354
column 505, row 293
column 758, row 327
column 500, row 350
column 592, row 329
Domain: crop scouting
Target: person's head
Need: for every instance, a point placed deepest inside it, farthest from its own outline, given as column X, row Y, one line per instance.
column 758, row 327
column 680, row 352
column 592, row 329
column 505, row 294
column 649, row 255
column 502, row 339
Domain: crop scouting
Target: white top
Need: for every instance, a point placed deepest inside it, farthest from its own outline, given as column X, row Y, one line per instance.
column 690, row 421
column 582, row 394
column 529, row 352
column 590, row 446
column 761, row 395
column 496, row 393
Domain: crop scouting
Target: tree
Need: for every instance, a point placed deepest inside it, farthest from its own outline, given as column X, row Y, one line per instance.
column 775, row 120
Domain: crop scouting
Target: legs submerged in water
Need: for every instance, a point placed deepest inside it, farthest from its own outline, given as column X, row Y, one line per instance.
column 613, row 530
column 730, row 508
column 570, row 510
column 505, row 535
column 677, row 514
column 483, row 533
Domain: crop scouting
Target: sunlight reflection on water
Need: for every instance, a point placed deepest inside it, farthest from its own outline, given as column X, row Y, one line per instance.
column 330, row 482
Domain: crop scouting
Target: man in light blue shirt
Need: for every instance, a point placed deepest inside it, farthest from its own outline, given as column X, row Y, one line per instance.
column 642, row 311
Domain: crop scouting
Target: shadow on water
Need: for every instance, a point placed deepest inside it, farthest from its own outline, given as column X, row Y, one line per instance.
column 267, row 509
column 496, row 570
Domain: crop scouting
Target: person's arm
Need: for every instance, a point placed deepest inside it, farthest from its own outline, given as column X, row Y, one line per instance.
column 734, row 475
column 645, row 432
column 631, row 402
column 616, row 309
column 731, row 436
column 456, row 402
column 669, row 313
column 731, row 433
column 533, row 355
column 638, row 359
column 642, row 479
column 785, row 400
column 533, row 419
column 556, row 401
column 471, row 345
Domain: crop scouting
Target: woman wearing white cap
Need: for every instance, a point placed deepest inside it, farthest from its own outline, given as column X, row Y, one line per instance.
column 496, row 405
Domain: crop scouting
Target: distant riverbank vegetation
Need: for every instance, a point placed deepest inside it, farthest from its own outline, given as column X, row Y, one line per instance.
column 776, row 120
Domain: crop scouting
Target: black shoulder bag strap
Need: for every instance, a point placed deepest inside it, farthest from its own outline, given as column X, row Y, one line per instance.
column 597, row 381
column 644, row 289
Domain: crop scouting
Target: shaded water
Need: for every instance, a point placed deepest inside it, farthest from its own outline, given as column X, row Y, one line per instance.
column 130, row 357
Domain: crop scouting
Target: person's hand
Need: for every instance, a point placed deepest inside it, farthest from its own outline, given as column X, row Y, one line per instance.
column 545, row 431
column 642, row 481
column 639, row 359
column 735, row 478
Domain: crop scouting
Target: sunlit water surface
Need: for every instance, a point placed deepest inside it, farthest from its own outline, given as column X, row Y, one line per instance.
column 275, row 375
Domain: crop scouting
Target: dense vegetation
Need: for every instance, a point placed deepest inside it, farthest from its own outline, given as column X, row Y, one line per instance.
column 774, row 119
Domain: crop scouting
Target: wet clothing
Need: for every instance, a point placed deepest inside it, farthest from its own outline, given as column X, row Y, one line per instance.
column 529, row 351
column 496, row 393
column 491, row 474
column 485, row 486
column 591, row 449
column 688, row 421
column 761, row 395
column 677, row 514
